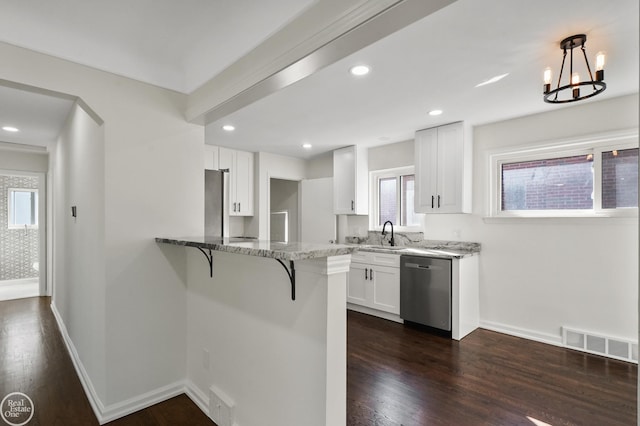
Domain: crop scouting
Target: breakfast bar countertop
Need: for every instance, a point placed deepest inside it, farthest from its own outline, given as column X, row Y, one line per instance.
column 269, row 249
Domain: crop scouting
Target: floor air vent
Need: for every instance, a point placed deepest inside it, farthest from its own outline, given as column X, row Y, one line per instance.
column 611, row 347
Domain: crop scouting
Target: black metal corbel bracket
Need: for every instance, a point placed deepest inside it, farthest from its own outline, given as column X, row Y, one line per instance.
column 209, row 259
column 291, row 271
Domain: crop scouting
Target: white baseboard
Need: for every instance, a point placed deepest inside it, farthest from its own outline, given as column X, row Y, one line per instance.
column 549, row 339
column 128, row 406
column 375, row 312
column 87, row 385
column 140, row 402
column 197, row 396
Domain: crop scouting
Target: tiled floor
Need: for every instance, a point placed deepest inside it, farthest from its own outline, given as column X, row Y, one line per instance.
column 19, row 289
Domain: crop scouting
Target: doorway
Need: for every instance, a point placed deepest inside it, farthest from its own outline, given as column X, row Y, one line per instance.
column 284, row 210
column 22, row 231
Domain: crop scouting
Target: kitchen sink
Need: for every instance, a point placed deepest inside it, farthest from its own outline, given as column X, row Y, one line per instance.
column 410, row 250
column 434, row 252
column 381, row 247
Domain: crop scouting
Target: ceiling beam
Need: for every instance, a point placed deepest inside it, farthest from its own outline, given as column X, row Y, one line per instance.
column 328, row 33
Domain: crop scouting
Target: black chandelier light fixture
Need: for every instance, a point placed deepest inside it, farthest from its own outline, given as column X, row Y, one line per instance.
column 574, row 90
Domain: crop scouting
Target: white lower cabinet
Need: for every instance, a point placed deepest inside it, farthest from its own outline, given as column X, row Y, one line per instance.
column 374, row 284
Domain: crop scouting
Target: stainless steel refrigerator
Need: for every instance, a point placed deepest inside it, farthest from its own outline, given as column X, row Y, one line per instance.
column 216, row 200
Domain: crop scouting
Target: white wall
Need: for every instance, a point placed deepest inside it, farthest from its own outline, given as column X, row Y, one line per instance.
column 320, row 166
column 400, row 154
column 79, row 243
column 537, row 275
column 281, row 362
column 24, row 161
column 153, row 187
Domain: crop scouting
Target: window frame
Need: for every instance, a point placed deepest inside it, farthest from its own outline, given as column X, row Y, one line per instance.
column 10, row 224
column 595, row 145
column 374, row 177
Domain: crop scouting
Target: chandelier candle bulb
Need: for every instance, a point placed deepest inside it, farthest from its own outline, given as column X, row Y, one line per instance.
column 575, row 82
column 547, row 80
column 600, row 60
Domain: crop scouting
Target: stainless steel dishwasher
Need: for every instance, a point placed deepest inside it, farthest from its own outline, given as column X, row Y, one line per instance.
column 425, row 291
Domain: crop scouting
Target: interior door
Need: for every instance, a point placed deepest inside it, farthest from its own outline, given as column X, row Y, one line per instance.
column 317, row 221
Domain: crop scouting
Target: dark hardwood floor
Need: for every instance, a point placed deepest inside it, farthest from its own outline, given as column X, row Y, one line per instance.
column 35, row 361
column 396, row 375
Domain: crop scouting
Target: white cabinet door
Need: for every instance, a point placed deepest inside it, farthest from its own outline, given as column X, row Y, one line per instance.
column 450, row 162
column 244, row 183
column 211, row 154
column 225, row 158
column 385, row 282
column 426, row 146
column 344, row 178
column 240, row 165
column 358, row 286
column 443, row 170
column 350, row 180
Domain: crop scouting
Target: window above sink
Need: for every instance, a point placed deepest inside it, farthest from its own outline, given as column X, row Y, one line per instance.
column 391, row 194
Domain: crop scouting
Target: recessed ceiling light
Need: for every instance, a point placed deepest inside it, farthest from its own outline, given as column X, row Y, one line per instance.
column 435, row 112
column 307, row 145
column 492, row 80
column 360, row 70
column 10, row 129
column 228, row 128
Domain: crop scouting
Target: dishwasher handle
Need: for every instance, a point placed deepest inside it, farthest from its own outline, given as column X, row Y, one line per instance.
column 419, row 266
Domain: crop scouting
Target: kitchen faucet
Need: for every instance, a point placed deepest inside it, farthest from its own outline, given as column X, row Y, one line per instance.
column 384, row 232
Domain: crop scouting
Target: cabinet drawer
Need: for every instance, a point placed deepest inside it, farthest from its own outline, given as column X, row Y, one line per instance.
column 360, row 257
column 380, row 259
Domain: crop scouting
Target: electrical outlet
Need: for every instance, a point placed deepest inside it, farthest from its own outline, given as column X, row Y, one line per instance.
column 206, row 360
column 220, row 407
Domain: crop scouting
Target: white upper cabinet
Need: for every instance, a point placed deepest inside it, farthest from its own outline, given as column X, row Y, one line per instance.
column 443, row 170
column 240, row 165
column 350, row 181
column 211, row 154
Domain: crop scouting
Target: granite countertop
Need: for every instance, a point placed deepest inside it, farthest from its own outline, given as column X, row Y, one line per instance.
column 412, row 243
column 273, row 250
column 448, row 253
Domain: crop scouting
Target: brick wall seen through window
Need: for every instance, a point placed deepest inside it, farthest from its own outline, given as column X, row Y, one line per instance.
column 549, row 184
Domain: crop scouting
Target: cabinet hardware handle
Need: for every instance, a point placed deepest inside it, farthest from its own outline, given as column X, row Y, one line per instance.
column 239, row 209
column 438, row 201
column 370, row 274
column 352, row 205
column 234, row 207
column 366, row 277
column 432, row 199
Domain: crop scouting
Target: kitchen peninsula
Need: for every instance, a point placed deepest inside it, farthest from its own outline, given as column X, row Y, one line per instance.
column 266, row 330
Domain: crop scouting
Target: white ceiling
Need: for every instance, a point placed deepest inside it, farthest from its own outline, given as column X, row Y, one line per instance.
column 173, row 44
column 435, row 64
column 39, row 116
